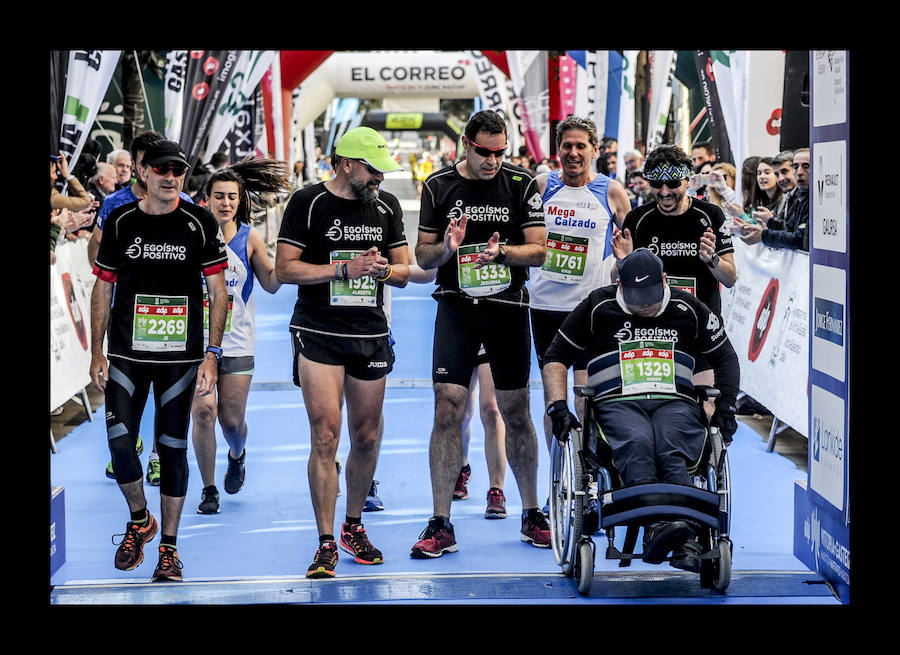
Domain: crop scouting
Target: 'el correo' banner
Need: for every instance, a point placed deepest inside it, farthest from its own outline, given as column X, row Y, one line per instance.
column 425, row 74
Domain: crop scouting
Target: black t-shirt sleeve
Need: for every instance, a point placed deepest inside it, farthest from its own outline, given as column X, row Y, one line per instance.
column 428, row 219
column 294, row 229
column 715, row 346
column 720, row 228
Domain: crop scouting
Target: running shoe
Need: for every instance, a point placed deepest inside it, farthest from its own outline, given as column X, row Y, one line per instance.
column 153, row 472
column 435, row 540
column 234, row 476
column 496, row 504
column 209, row 500
column 373, row 502
column 324, row 562
column 130, row 552
column 168, row 569
column 109, row 467
column 687, row 558
column 535, row 529
column 355, row 542
column 462, row 492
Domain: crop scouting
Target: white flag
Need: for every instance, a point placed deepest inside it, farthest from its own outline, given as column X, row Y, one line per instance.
column 87, row 81
column 661, row 73
column 173, row 93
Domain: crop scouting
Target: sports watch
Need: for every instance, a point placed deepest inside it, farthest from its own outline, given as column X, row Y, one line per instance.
column 215, row 350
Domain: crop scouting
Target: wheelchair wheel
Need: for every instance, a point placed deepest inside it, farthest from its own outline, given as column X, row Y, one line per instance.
column 584, row 566
column 721, row 570
column 566, row 501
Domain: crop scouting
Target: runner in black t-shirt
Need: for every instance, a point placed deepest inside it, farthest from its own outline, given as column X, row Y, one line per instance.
column 481, row 224
column 642, row 339
column 155, row 251
column 690, row 236
column 340, row 242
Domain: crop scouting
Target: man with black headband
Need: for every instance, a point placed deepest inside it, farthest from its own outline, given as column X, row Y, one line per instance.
column 340, row 242
column 641, row 338
column 690, row 236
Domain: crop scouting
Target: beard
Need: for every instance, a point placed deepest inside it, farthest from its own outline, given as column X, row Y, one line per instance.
column 364, row 192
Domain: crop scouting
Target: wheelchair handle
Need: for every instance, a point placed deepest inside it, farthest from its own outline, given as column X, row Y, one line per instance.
column 585, row 391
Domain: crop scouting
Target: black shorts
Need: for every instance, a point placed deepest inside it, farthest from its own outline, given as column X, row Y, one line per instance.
column 544, row 325
column 362, row 358
column 461, row 327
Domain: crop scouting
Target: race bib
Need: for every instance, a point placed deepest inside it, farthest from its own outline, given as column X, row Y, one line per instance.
column 160, row 323
column 362, row 291
column 688, row 284
column 647, row 366
column 566, row 258
column 485, row 281
column 206, row 312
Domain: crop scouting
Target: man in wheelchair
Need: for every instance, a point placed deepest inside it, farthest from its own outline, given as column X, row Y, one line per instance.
column 642, row 339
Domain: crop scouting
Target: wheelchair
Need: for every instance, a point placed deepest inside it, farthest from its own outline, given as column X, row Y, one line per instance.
column 586, row 493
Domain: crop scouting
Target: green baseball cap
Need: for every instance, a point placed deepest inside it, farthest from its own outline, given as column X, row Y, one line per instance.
column 367, row 144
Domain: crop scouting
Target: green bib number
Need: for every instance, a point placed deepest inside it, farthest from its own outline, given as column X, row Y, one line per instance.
column 485, row 281
column 160, row 323
column 566, row 258
column 647, row 366
column 362, row 291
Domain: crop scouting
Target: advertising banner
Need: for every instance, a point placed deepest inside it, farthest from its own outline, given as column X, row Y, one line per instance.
column 766, row 315
column 206, row 83
column 709, row 89
column 71, row 283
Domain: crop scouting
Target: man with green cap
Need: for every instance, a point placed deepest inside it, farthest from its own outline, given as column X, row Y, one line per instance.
column 340, row 242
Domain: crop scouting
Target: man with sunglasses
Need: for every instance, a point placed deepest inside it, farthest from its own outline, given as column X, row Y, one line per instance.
column 690, row 236
column 481, row 224
column 156, row 252
column 130, row 193
column 341, row 241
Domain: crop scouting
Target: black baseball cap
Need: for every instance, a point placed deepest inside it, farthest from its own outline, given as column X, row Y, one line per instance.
column 160, row 152
column 641, row 275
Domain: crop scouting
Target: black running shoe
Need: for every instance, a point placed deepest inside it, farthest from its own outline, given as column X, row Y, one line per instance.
column 324, row 562
column 234, row 476
column 687, row 558
column 209, row 500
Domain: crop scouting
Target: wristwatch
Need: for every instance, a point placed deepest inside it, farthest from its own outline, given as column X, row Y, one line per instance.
column 712, row 263
column 501, row 254
column 215, row 350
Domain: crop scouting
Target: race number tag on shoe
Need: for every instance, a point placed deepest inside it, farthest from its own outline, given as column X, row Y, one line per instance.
column 647, row 366
column 206, row 312
column 362, row 291
column 566, row 257
column 160, row 323
column 688, row 284
column 485, row 281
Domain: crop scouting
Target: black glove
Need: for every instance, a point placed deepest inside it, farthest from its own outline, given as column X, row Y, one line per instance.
column 562, row 420
column 725, row 421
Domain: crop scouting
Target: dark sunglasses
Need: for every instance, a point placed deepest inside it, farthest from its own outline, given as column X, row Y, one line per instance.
column 659, row 184
column 371, row 169
column 487, row 152
column 177, row 169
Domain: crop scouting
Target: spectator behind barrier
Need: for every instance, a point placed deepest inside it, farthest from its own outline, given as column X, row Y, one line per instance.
column 795, row 235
